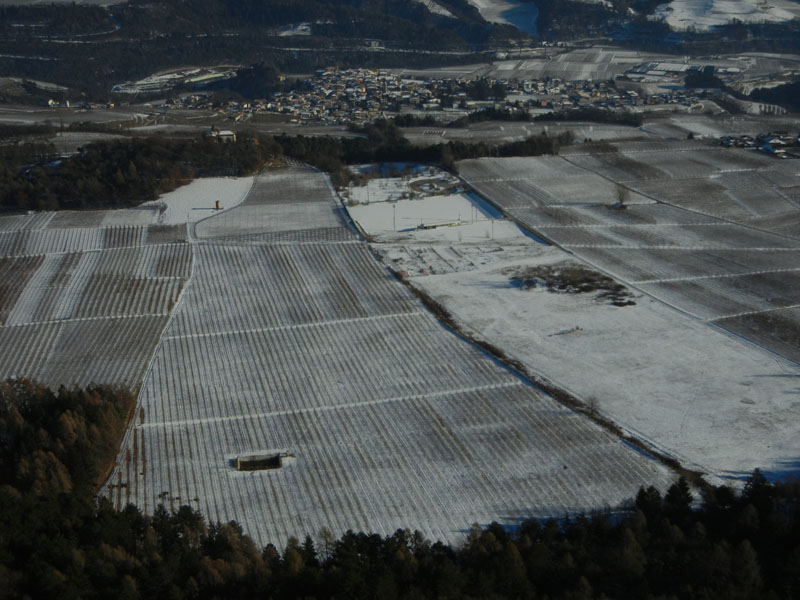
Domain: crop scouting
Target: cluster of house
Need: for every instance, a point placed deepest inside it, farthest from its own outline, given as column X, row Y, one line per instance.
column 684, row 97
column 336, row 96
column 216, row 135
column 780, row 144
column 558, row 94
column 352, row 95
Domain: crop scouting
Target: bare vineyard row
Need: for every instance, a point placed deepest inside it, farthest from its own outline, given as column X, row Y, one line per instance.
column 720, row 235
column 43, row 290
column 23, row 350
column 617, row 167
column 25, row 242
column 435, row 464
column 131, row 281
column 285, row 284
column 14, row 276
column 106, row 295
column 80, row 352
column 725, row 197
column 327, row 364
column 648, row 264
column 26, row 222
column 640, row 214
column 292, row 236
column 645, row 146
column 290, row 186
column 249, row 219
column 65, row 219
column 718, row 298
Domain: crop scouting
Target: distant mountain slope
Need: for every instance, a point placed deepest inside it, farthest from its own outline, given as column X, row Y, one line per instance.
column 522, row 15
column 63, row 43
column 705, row 14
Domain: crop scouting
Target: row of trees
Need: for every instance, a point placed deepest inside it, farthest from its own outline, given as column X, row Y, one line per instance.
column 594, row 115
column 58, row 541
column 57, row 442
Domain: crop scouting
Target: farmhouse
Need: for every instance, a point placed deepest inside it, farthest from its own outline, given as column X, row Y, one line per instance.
column 220, row 136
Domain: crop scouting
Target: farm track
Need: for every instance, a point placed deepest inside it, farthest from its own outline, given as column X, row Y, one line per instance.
column 297, row 340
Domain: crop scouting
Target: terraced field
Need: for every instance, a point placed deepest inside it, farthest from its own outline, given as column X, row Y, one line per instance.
column 290, row 338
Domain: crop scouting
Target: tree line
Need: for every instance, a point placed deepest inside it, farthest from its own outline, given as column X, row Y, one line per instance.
column 126, row 172
column 595, row 115
column 118, row 173
column 591, row 114
column 786, row 95
column 382, row 141
column 58, row 540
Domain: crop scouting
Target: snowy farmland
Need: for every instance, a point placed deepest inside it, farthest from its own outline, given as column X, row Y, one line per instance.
column 291, row 340
column 270, row 329
column 704, row 365
column 85, row 296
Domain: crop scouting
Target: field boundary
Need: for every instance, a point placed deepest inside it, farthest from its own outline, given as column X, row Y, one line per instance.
column 547, row 387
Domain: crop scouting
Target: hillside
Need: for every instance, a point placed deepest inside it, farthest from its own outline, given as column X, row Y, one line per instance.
column 56, row 43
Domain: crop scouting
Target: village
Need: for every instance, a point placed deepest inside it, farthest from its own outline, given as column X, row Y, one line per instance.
column 339, row 97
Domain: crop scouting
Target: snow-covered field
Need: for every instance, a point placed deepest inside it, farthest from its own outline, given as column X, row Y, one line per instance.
column 712, row 400
column 690, row 389
column 671, row 376
column 705, row 14
column 297, row 340
column 274, row 329
column 197, row 200
column 430, row 212
column 86, row 295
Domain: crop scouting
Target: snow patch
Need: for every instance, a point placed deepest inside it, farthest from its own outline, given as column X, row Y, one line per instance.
column 197, row 200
